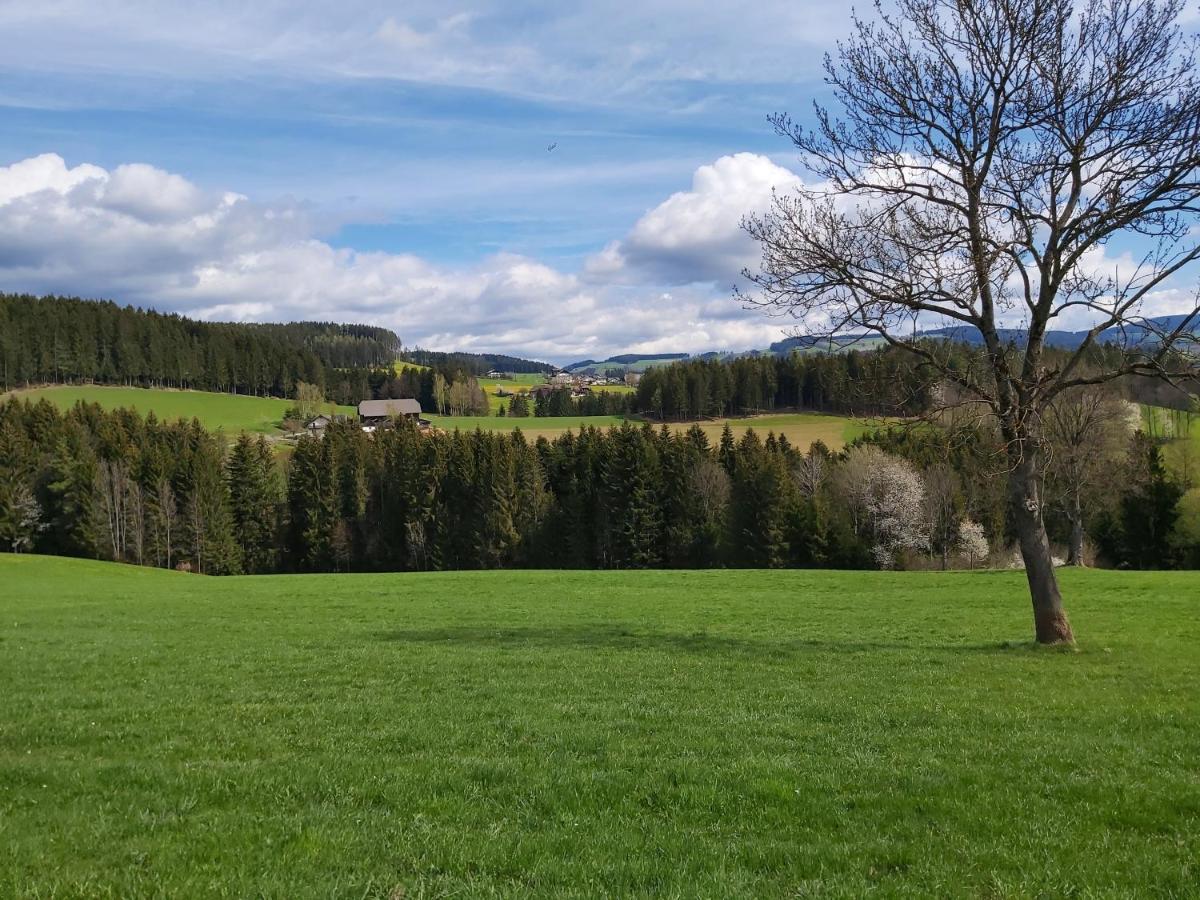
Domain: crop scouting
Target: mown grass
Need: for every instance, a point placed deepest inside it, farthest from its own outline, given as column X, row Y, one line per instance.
column 232, row 412
column 698, row 734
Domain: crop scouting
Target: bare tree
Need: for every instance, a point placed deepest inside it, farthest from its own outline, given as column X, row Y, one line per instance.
column 1085, row 430
column 165, row 514
column 112, row 509
column 811, row 471
column 711, row 487
column 942, row 489
column 985, row 155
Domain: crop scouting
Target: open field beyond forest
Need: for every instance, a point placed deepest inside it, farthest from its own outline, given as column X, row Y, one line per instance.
column 523, row 381
column 232, row 412
column 1181, row 433
column 235, row 413
column 714, row 733
column 802, row 429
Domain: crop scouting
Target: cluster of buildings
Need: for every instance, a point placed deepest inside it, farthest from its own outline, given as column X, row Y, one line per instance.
column 377, row 414
column 373, row 415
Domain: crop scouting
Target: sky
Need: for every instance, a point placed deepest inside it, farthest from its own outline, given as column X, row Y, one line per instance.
column 558, row 181
column 391, row 163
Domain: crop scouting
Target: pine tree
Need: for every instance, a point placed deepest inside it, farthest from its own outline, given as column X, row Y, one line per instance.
column 254, row 500
column 208, row 520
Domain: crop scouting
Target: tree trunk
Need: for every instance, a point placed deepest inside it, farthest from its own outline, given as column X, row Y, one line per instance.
column 1049, row 618
column 1075, row 551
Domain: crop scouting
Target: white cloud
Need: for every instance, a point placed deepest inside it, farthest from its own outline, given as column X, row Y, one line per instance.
column 696, row 235
column 593, row 50
column 138, row 234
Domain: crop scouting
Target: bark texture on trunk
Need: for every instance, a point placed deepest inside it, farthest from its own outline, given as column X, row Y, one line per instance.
column 1050, row 622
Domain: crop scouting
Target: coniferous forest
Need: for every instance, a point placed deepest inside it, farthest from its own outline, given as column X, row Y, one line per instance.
column 66, row 340
column 114, row 485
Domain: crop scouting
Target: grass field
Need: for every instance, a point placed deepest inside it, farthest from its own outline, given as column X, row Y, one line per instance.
column 700, row 734
column 801, row 428
column 524, row 381
column 533, row 427
column 232, row 412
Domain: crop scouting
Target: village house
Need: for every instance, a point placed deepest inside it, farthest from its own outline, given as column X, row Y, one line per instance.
column 374, row 414
column 316, row 426
column 562, row 379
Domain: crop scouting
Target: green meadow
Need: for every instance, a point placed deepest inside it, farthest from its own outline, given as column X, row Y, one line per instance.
column 231, row 412
column 523, row 381
column 550, row 734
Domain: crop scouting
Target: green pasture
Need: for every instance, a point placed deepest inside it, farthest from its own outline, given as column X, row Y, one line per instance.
column 586, row 734
column 231, row 412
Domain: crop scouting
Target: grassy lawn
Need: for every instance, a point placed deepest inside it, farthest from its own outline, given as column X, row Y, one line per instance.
column 700, row 734
column 232, row 412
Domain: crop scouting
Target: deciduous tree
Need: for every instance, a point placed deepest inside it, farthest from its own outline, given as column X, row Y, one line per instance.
column 984, row 156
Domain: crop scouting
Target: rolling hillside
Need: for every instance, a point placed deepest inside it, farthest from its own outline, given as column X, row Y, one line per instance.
column 231, row 412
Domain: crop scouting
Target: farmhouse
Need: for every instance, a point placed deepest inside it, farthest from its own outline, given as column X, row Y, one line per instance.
column 374, row 414
column 562, row 378
column 317, row 426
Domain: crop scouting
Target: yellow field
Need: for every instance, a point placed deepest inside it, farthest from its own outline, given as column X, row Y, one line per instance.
column 802, row 429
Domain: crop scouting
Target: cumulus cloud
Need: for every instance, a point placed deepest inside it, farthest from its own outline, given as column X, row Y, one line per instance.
column 142, row 235
column 695, row 235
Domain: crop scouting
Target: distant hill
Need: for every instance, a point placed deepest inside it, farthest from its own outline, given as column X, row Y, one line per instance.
column 625, row 362
column 1064, row 340
column 69, row 339
column 475, row 363
column 1132, row 335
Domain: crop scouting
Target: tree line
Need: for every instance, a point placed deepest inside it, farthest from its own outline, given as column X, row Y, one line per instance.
column 882, row 381
column 475, row 363
column 114, row 485
column 68, row 340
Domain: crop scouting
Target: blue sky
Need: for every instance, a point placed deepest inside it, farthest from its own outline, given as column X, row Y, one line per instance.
column 388, row 163
column 416, row 136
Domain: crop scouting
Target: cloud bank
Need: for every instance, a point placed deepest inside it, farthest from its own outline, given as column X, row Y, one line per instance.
column 141, row 235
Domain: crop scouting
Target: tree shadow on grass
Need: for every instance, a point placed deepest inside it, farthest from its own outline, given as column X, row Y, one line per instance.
column 616, row 637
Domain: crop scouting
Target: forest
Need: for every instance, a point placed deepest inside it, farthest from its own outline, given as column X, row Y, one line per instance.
column 118, row 486
column 58, row 340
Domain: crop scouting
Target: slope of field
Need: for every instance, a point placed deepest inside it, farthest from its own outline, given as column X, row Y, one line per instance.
column 232, row 412
column 523, row 382
column 686, row 734
column 802, row 429
column 533, row 427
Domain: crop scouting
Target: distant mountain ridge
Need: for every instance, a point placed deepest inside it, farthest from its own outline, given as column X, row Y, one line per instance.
column 1063, row 340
